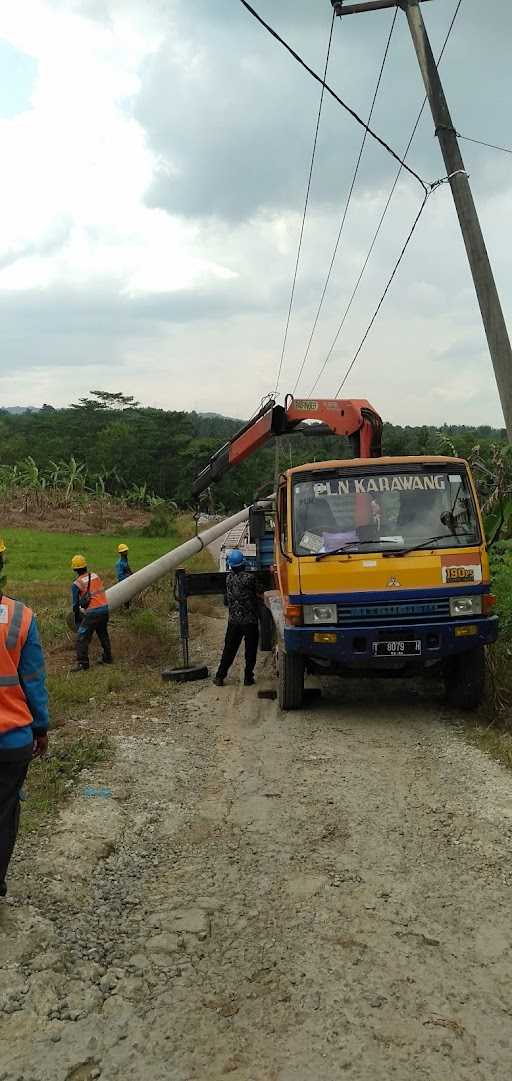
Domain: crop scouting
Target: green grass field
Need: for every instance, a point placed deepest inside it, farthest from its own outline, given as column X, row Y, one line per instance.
column 144, row 639
column 36, row 556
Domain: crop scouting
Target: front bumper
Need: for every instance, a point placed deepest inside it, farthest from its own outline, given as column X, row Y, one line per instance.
column 353, row 647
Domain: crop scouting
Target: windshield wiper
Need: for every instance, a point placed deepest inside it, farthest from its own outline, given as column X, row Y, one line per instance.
column 432, row 540
column 348, row 547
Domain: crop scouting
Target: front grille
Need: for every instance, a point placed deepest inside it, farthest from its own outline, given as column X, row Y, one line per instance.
column 400, row 611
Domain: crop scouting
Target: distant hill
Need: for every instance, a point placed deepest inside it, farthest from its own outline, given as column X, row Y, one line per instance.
column 20, row 409
column 218, row 416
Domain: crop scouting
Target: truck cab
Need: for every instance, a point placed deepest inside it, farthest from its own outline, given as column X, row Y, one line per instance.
column 381, row 568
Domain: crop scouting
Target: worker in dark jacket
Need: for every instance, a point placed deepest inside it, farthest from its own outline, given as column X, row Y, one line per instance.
column 243, row 621
column 90, row 609
column 123, row 569
column 23, row 716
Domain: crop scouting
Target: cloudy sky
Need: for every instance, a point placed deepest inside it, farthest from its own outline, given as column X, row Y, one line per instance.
column 154, row 163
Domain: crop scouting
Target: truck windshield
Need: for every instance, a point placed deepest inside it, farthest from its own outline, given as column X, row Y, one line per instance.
column 383, row 510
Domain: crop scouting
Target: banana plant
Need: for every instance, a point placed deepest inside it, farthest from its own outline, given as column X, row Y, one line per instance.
column 28, row 474
column 72, row 476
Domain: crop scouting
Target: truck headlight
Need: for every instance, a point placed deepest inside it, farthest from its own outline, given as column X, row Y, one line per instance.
column 465, row 606
column 320, row 613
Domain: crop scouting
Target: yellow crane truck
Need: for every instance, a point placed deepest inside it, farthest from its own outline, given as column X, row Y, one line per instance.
column 379, row 565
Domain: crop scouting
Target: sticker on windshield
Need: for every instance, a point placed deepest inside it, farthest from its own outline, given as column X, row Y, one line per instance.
column 461, row 569
column 312, row 542
column 455, row 480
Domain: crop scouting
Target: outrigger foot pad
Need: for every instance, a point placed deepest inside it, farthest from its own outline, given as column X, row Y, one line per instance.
column 185, row 675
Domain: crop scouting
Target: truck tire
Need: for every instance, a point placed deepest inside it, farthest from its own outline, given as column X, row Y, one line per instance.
column 266, row 630
column 290, row 680
column 465, row 679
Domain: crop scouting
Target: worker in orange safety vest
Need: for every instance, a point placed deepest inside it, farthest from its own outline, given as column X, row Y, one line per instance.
column 23, row 716
column 90, row 609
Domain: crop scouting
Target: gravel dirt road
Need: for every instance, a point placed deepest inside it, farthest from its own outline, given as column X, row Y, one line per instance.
column 315, row 896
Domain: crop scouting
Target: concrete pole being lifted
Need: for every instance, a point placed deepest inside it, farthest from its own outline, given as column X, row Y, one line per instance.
column 124, row 591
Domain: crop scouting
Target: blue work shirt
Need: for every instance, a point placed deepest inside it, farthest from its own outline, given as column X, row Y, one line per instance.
column 31, row 672
column 123, row 570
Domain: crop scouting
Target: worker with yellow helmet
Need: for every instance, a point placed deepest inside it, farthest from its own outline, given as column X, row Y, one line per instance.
column 90, row 609
column 3, row 549
column 123, row 569
column 23, row 715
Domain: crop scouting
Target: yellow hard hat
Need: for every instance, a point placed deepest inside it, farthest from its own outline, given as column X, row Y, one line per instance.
column 122, row 548
column 3, row 546
column 78, row 562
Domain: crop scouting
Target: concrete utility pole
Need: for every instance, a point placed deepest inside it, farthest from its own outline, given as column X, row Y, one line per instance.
column 485, row 285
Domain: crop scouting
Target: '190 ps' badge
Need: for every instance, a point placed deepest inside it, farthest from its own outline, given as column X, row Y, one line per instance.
column 393, row 583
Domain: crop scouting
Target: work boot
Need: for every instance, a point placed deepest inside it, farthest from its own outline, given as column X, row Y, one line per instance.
column 249, row 681
column 3, row 889
column 218, row 681
column 79, row 667
column 105, row 660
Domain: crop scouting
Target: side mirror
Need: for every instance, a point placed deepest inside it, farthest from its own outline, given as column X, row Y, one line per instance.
column 256, row 523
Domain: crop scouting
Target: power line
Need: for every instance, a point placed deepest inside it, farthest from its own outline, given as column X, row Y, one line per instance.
column 332, row 92
column 433, row 187
column 384, row 295
column 306, row 204
column 348, row 202
column 384, row 213
column 491, row 146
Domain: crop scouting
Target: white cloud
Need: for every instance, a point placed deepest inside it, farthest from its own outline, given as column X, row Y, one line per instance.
column 77, row 163
column 188, row 311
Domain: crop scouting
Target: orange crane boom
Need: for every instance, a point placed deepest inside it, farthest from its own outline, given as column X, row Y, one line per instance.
column 354, row 418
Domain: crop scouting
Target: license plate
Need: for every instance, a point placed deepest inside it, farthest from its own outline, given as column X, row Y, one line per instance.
column 397, row 648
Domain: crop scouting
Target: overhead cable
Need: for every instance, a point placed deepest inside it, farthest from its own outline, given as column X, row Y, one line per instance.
column 333, row 93
column 306, row 204
column 491, row 146
column 384, row 295
column 433, row 187
column 347, row 203
column 383, row 215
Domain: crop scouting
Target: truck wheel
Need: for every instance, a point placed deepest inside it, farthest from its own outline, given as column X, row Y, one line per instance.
column 266, row 631
column 465, row 679
column 290, row 680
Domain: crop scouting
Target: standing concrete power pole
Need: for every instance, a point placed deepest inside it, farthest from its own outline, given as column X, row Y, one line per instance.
column 485, row 285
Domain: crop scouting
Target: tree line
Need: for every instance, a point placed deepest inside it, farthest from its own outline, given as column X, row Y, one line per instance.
column 113, row 437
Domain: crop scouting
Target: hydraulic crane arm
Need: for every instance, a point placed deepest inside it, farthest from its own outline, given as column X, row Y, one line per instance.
column 354, row 418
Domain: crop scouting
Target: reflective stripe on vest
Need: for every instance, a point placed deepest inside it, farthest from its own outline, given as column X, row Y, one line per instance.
column 95, row 587
column 15, row 625
column 15, row 620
